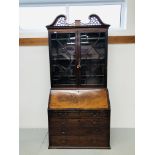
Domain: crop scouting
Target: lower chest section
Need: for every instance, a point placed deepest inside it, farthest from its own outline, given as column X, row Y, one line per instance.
column 79, row 128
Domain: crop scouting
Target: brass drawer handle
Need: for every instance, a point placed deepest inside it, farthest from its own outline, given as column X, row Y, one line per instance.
column 94, row 114
column 63, row 132
column 63, row 141
column 63, row 123
column 94, row 122
column 62, row 114
column 97, row 130
column 94, row 141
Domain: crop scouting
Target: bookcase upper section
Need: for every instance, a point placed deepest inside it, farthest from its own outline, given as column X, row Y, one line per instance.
column 78, row 53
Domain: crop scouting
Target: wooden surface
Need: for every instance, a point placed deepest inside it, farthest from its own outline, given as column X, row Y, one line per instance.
column 44, row 41
column 79, row 128
column 76, row 141
column 81, row 99
column 121, row 39
column 33, row 41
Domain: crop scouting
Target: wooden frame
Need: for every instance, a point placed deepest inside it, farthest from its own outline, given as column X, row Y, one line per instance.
column 77, row 69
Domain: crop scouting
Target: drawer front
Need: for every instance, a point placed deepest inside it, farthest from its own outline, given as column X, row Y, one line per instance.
column 78, row 122
column 79, row 113
column 64, row 141
column 79, row 141
column 78, row 131
column 100, row 141
column 75, row 128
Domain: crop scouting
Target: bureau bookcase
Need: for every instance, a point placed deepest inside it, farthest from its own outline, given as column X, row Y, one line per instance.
column 79, row 107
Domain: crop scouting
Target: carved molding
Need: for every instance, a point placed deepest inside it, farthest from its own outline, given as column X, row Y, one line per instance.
column 95, row 20
column 61, row 21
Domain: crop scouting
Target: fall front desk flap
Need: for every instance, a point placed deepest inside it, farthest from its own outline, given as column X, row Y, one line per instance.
column 79, row 98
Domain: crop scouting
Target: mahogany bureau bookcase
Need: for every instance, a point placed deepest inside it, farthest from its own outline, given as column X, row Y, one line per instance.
column 79, row 107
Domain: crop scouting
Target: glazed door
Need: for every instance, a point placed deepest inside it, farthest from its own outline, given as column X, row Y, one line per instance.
column 63, row 59
column 93, row 59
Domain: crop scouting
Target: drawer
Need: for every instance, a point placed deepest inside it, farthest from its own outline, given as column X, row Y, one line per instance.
column 64, row 114
column 78, row 122
column 64, row 141
column 78, row 131
column 94, row 122
column 79, row 141
column 79, row 113
column 94, row 141
column 58, row 122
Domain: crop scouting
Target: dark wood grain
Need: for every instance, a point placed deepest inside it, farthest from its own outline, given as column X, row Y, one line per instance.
column 87, row 122
column 79, row 141
column 84, row 130
column 78, row 117
column 79, row 128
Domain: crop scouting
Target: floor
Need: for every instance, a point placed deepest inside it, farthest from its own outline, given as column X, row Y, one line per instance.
column 35, row 142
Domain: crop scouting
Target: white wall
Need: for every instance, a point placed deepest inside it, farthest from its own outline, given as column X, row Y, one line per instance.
column 121, row 84
column 35, row 85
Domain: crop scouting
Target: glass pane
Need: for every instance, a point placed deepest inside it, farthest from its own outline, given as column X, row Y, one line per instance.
column 62, row 55
column 93, row 55
column 92, row 46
